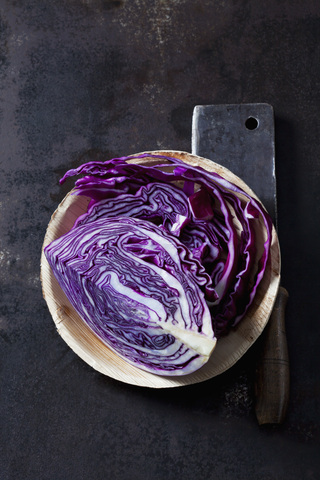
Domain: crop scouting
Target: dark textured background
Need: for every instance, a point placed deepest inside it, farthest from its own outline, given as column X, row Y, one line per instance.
column 80, row 77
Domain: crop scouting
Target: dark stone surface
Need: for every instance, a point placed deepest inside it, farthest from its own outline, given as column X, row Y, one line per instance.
column 78, row 77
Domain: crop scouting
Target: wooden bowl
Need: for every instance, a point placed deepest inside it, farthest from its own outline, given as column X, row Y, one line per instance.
column 94, row 352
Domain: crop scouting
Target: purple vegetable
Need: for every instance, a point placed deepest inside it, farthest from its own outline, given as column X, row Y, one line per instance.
column 167, row 258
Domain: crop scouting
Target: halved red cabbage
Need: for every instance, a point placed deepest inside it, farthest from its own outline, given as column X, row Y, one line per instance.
column 167, row 258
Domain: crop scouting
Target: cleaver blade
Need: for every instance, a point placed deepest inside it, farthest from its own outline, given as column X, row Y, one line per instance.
column 241, row 137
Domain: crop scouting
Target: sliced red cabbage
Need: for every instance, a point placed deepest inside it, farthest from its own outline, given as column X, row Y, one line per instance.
column 133, row 285
column 221, row 237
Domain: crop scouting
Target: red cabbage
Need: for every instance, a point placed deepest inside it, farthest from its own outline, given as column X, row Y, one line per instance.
column 166, row 260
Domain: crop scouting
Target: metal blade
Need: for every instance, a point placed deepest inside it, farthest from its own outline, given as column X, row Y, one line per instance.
column 241, row 138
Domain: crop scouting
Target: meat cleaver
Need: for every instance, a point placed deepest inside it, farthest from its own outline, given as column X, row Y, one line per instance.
column 241, row 138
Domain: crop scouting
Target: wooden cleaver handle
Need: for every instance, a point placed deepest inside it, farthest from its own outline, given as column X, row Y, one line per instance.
column 272, row 374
